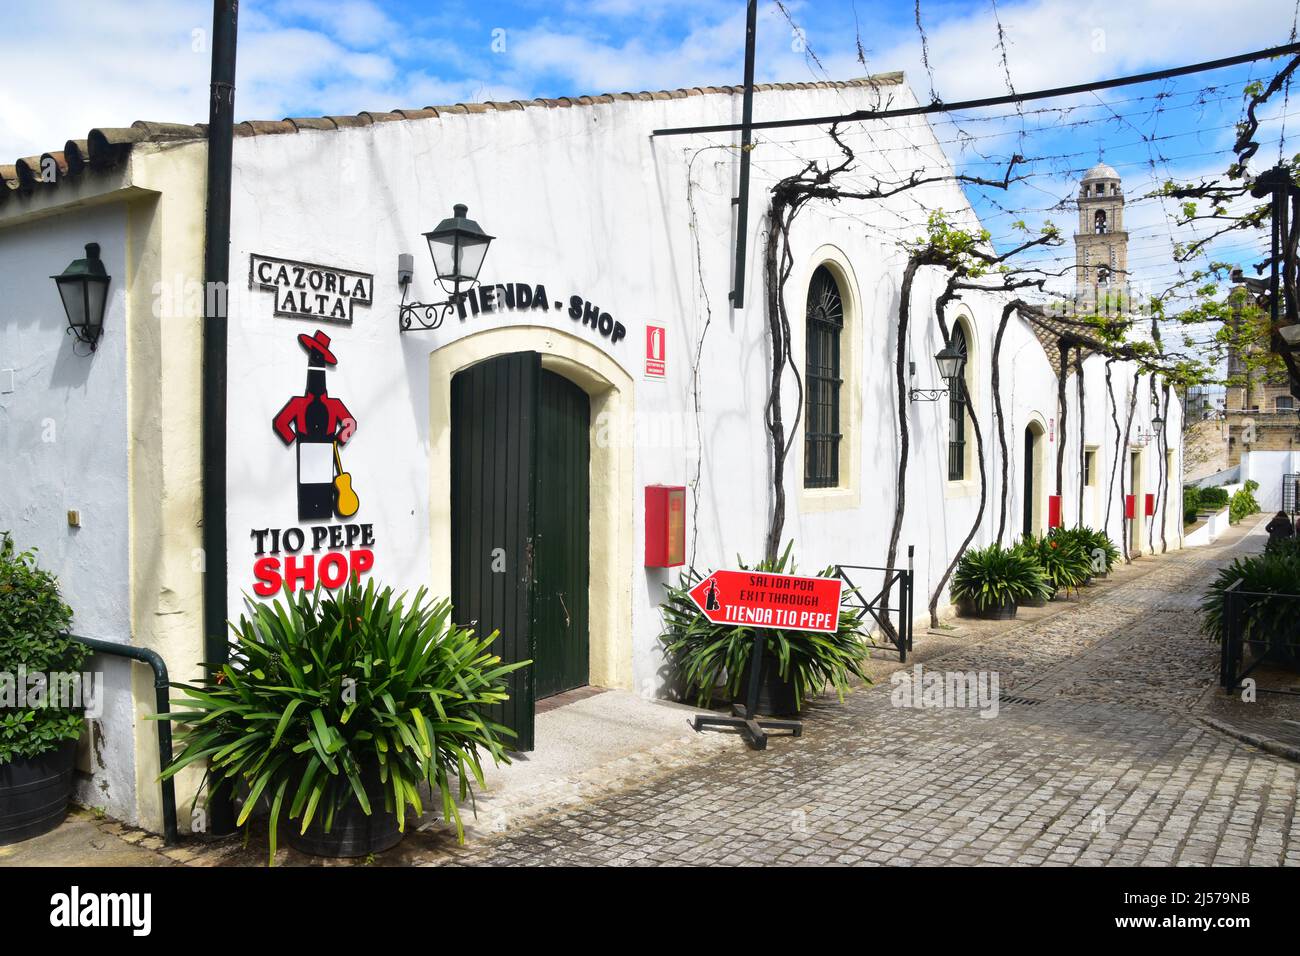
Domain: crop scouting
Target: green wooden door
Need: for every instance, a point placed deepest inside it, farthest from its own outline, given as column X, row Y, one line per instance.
column 519, row 524
column 493, row 470
column 561, row 522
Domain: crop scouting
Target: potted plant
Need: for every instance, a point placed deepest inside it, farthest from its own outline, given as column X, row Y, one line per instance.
column 38, row 741
column 1064, row 564
column 337, row 707
column 991, row 582
column 1041, row 595
column 1269, row 603
column 797, row 665
column 1096, row 546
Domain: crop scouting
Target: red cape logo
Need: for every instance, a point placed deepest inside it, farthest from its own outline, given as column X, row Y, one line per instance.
column 316, row 425
column 319, row 423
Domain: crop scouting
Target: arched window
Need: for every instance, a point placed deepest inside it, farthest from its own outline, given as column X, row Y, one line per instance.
column 1099, row 221
column 825, row 322
column 957, row 411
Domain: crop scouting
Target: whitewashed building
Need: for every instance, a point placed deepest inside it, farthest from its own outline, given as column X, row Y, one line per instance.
column 607, row 280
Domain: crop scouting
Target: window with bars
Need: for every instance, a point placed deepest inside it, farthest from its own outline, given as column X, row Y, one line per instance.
column 1089, row 467
column 825, row 322
column 957, row 412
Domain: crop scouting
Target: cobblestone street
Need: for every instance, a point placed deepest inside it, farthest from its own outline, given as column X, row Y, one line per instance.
column 1103, row 762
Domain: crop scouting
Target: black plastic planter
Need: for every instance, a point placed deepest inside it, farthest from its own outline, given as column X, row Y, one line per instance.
column 34, row 794
column 775, row 694
column 994, row 612
column 353, row 833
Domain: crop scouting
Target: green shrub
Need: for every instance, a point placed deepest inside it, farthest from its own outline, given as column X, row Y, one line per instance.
column 1096, row 546
column 993, row 576
column 1266, row 618
column 1284, row 547
column 1191, row 504
column 1244, row 503
column 1065, row 563
column 33, row 636
column 319, row 687
column 704, row 654
column 1212, row 499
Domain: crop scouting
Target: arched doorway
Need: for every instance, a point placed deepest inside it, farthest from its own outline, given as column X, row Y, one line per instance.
column 611, row 401
column 1032, row 481
column 520, row 527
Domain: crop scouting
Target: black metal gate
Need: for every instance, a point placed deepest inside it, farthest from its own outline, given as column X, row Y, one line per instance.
column 872, row 590
column 1273, row 639
column 1289, row 493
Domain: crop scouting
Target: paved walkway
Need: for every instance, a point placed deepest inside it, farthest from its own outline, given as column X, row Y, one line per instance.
column 1103, row 762
column 1099, row 753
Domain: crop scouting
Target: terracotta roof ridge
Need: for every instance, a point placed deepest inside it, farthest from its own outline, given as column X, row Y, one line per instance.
column 106, row 147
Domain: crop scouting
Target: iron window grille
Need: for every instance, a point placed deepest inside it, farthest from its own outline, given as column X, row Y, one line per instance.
column 957, row 413
column 825, row 322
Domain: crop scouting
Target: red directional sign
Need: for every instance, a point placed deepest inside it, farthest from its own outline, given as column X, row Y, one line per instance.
column 781, row 601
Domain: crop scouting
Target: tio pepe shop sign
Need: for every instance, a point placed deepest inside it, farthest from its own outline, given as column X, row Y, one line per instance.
column 781, row 601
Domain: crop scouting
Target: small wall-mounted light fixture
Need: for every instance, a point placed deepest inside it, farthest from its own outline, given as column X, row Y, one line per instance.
column 458, row 247
column 83, row 286
column 951, row 363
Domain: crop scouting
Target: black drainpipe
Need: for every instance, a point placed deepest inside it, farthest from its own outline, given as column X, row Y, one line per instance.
column 216, row 275
column 160, row 683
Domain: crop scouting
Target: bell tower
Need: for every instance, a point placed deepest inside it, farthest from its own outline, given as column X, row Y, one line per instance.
column 1101, row 244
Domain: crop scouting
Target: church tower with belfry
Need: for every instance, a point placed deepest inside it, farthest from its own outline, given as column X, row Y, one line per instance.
column 1101, row 244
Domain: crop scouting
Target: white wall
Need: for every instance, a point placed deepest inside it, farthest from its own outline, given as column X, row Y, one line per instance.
column 583, row 200
column 1269, row 468
column 63, row 446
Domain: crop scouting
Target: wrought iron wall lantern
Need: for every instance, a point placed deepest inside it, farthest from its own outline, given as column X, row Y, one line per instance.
column 1146, row 436
column 951, row 362
column 83, row 287
column 458, row 247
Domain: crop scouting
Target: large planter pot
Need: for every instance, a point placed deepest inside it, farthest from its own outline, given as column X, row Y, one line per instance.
column 34, row 794
column 352, row 833
column 775, row 694
column 1034, row 602
column 994, row 612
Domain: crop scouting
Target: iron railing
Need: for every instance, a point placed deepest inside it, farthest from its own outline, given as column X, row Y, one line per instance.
column 893, row 621
column 1289, row 493
column 1263, row 647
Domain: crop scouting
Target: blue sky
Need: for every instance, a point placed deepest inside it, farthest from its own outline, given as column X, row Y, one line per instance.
column 72, row 65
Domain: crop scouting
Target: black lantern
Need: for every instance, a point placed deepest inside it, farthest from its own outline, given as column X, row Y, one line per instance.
column 458, row 247
column 83, row 286
column 950, row 362
column 1157, row 424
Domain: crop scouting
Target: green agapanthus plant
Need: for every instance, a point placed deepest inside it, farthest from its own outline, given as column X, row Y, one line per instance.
column 994, row 576
column 323, row 687
column 1095, row 544
column 708, row 655
column 1065, row 562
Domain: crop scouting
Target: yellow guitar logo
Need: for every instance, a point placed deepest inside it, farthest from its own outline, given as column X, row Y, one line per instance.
column 346, row 501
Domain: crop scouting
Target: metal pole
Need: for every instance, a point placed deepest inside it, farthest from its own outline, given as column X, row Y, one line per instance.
column 216, row 275
column 746, row 147
column 161, row 684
